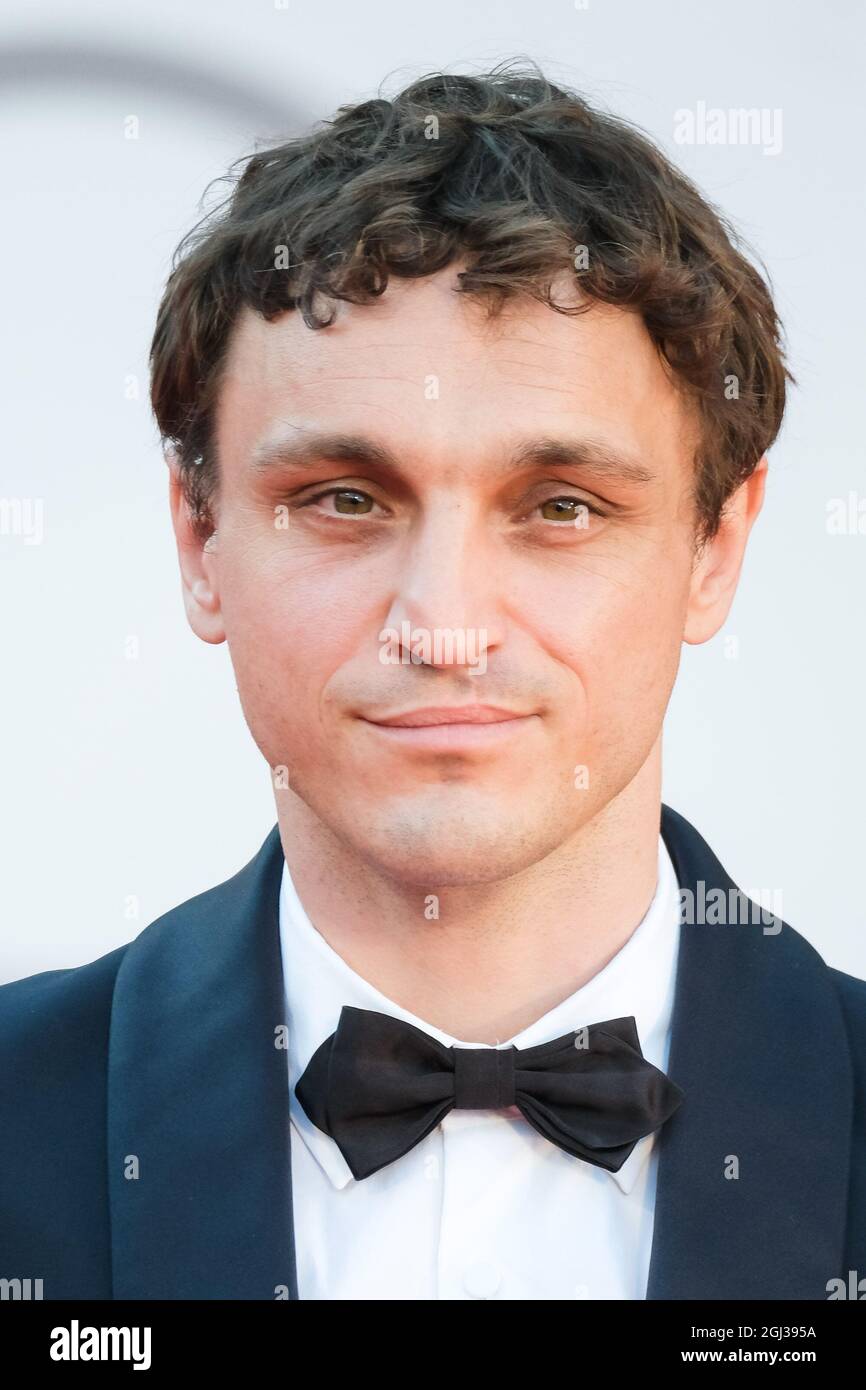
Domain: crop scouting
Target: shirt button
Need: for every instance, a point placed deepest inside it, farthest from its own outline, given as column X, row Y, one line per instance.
column 482, row 1279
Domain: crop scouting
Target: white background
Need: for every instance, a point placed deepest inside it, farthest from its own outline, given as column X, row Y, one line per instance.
column 129, row 786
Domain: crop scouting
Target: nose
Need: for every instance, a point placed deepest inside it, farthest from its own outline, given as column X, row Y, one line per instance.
column 446, row 599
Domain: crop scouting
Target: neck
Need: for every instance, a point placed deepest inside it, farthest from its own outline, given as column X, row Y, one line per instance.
column 499, row 955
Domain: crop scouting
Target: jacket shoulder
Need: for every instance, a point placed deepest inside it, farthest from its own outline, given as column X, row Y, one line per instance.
column 54, row 1224
column 59, row 1006
column 55, row 1046
column 41, row 1015
column 852, row 994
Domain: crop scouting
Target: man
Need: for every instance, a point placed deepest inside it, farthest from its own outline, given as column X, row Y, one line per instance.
column 467, row 398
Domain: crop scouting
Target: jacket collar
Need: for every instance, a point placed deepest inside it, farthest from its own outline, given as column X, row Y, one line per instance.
column 198, row 1100
column 199, row 1145
column 760, row 1049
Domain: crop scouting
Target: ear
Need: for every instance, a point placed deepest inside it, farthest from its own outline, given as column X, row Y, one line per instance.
column 717, row 567
column 198, row 564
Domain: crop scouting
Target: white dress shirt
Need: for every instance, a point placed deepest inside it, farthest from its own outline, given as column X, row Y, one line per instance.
column 484, row 1207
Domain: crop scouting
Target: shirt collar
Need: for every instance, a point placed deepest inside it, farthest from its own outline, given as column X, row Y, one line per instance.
column 639, row 980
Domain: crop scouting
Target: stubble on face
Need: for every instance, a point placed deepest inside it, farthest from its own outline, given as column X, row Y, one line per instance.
column 582, row 625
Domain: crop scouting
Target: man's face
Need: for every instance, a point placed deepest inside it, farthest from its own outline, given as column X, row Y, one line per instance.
column 566, row 570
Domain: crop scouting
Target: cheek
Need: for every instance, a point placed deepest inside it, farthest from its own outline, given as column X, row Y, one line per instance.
column 288, row 627
column 617, row 628
column 633, row 664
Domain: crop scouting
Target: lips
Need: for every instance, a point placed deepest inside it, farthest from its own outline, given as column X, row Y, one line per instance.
column 464, row 730
column 450, row 714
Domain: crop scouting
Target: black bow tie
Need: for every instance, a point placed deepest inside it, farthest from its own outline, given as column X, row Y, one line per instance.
column 378, row 1086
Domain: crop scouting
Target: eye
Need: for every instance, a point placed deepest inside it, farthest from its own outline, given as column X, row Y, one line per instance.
column 348, row 501
column 571, row 510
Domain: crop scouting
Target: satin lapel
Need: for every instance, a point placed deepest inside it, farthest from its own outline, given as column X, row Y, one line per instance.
column 759, row 1047
column 198, row 1100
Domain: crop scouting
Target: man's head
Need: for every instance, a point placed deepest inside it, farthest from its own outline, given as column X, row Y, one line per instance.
column 468, row 395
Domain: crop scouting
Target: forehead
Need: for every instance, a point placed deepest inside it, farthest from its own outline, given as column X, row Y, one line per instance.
column 424, row 368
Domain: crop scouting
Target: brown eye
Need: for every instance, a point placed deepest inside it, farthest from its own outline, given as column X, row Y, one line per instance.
column 564, row 509
column 350, row 502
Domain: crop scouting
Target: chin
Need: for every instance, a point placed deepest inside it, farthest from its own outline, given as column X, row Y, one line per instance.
column 457, row 851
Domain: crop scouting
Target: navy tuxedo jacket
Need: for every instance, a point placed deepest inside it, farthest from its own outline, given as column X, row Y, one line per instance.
column 162, row 1054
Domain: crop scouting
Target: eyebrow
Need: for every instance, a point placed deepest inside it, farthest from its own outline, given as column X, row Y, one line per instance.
column 310, row 448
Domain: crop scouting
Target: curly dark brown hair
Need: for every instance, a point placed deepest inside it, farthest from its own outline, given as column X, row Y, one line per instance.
column 508, row 174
